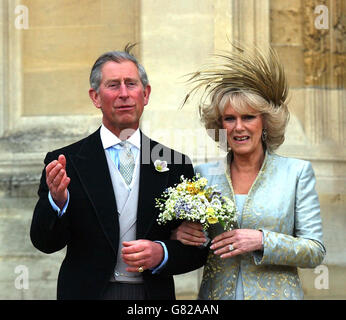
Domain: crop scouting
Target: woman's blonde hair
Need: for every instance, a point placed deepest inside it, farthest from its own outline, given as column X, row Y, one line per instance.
column 274, row 119
column 243, row 79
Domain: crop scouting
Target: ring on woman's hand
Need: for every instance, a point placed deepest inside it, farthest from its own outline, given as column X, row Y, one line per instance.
column 230, row 247
column 140, row 269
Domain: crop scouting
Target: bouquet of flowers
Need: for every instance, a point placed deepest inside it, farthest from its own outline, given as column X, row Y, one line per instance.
column 193, row 200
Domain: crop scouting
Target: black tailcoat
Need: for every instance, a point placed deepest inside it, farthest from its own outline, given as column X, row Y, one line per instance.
column 90, row 227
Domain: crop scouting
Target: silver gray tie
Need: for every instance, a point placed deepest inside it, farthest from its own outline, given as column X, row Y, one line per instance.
column 126, row 161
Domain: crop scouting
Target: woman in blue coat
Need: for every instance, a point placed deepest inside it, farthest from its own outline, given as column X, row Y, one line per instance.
column 278, row 213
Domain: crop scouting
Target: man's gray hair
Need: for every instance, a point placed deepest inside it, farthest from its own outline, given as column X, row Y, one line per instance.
column 116, row 56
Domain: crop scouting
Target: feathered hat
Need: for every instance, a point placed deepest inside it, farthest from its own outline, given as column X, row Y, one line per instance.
column 242, row 69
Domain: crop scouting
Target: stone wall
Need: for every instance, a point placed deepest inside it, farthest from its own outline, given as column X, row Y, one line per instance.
column 314, row 58
column 44, row 104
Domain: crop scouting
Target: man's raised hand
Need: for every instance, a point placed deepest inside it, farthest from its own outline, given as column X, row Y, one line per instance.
column 57, row 180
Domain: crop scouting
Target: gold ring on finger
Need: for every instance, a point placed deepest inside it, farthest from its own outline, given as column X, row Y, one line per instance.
column 140, row 269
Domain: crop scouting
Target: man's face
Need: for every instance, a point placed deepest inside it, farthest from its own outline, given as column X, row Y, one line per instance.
column 121, row 96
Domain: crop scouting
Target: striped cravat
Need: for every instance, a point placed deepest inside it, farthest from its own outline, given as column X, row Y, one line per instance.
column 126, row 161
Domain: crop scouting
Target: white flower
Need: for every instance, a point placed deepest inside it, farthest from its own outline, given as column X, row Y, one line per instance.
column 202, row 182
column 161, row 166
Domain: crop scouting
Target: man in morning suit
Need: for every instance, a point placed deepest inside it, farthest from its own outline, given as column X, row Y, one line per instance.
column 97, row 197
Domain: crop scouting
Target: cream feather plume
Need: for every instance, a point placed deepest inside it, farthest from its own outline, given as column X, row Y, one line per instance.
column 242, row 70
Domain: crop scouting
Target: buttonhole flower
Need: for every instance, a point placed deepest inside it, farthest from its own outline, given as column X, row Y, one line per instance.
column 161, row 166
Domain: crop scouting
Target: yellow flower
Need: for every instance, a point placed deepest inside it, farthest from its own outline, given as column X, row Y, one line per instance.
column 203, row 182
column 211, row 216
column 210, row 211
column 191, row 188
column 180, row 187
column 212, row 220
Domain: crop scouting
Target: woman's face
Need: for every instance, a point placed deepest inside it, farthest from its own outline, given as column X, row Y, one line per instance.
column 244, row 131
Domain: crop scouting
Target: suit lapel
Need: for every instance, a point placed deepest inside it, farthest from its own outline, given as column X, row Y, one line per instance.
column 92, row 168
column 151, row 185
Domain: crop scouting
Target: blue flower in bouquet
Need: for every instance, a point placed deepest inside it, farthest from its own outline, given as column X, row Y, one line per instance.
column 193, row 200
column 181, row 207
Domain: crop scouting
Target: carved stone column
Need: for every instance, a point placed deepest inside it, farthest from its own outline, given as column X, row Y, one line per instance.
column 324, row 72
column 250, row 22
column 3, row 66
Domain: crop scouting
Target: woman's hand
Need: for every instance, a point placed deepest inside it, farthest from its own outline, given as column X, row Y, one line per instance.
column 189, row 233
column 241, row 241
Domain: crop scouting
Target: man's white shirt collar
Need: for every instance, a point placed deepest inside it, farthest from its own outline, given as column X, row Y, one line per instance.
column 109, row 139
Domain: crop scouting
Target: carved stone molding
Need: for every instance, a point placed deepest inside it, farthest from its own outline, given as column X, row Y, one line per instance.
column 324, row 69
column 3, row 66
column 324, row 49
column 325, row 116
column 250, row 22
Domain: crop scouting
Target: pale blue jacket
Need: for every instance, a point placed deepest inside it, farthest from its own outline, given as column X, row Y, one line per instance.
column 283, row 203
